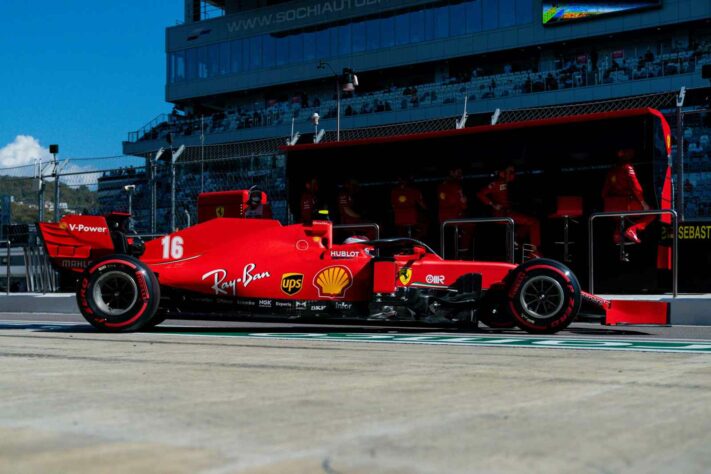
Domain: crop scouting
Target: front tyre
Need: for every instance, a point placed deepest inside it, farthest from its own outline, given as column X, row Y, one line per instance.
column 543, row 296
column 118, row 293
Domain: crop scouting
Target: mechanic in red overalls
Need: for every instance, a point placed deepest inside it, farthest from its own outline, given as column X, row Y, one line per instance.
column 496, row 196
column 308, row 203
column 622, row 192
column 407, row 202
column 453, row 204
column 345, row 203
column 256, row 208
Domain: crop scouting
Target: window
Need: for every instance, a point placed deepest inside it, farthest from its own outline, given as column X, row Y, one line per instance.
column 491, row 14
column 417, row 26
column 224, row 58
column 358, row 36
column 387, row 32
column 402, row 29
column 473, row 14
column 213, row 60
column 202, row 62
column 246, row 48
column 236, row 56
column 309, row 46
column 507, row 13
column 372, row 34
column 323, row 44
column 524, row 12
column 268, row 51
column 179, row 70
column 255, row 52
column 344, row 39
column 282, row 51
column 296, row 49
column 441, row 22
column 457, row 19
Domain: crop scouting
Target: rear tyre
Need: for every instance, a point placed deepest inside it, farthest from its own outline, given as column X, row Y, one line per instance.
column 118, row 293
column 543, row 295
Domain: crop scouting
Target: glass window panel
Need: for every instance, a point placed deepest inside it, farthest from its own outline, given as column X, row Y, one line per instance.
column 507, row 15
column 296, row 49
column 170, row 59
column 191, row 63
column 524, row 12
column 202, row 62
column 268, row 51
column 402, row 28
column 344, row 39
column 457, row 19
column 417, row 26
column 236, row 56
column 358, row 36
column 441, row 22
column 429, row 24
column 282, row 50
column 323, row 44
column 309, row 46
column 473, row 16
column 490, row 14
column 333, row 42
column 224, row 58
column 387, row 32
column 255, row 52
column 180, row 66
column 213, row 60
column 372, row 34
column 246, row 48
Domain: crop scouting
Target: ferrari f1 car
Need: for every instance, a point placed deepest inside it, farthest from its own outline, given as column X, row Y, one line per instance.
column 246, row 268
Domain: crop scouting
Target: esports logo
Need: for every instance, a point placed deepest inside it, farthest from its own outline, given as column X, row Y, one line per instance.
column 333, row 282
column 292, row 283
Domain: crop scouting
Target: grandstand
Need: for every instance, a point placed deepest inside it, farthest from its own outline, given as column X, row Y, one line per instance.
column 241, row 72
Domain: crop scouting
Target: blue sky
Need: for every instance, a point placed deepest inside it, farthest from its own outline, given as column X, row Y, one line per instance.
column 82, row 73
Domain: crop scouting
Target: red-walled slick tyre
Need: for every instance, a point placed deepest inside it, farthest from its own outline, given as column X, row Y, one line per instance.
column 543, row 296
column 118, row 293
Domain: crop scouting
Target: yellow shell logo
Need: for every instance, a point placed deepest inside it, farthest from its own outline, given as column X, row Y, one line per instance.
column 405, row 275
column 63, row 225
column 220, row 211
column 333, row 282
column 402, row 198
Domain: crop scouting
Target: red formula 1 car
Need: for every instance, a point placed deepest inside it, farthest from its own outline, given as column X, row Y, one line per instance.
column 253, row 267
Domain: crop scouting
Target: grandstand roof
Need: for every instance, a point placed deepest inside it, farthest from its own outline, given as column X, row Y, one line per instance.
column 619, row 114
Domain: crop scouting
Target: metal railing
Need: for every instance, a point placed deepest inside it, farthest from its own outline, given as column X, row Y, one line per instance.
column 622, row 216
column 366, row 226
column 510, row 252
column 7, row 264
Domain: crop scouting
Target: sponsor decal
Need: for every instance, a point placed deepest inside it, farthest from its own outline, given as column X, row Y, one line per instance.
column 247, row 302
column 221, row 285
column 402, row 199
column 300, row 306
column 318, row 307
column 404, row 275
column 435, row 279
column 84, row 228
column 333, row 282
column 283, row 304
column 344, row 253
column 220, row 211
column 302, row 245
column 265, row 303
column 74, row 263
column 292, row 283
column 344, row 306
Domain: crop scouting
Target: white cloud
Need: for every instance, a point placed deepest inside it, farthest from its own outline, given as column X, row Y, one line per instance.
column 24, row 150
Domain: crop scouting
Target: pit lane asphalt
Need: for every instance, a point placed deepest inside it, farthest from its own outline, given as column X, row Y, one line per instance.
column 75, row 400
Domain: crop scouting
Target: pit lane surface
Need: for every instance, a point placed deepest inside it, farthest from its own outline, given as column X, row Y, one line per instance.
column 182, row 400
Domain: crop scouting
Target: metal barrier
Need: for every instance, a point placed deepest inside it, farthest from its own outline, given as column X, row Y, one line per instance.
column 482, row 220
column 373, row 226
column 623, row 215
column 40, row 276
column 7, row 265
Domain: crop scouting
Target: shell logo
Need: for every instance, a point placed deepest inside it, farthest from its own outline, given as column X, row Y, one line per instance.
column 442, row 196
column 333, row 282
column 63, row 225
column 402, row 199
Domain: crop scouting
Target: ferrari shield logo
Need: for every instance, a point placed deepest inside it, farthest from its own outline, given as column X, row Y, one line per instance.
column 405, row 275
column 333, row 282
column 220, row 211
column 292, row 283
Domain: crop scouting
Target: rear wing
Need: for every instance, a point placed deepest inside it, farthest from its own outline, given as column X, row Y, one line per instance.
column 76, row 240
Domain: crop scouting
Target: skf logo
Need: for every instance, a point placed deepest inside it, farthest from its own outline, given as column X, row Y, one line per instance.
column 404, row 275
column 333, row 282
column 220, row 211
column 292, row 283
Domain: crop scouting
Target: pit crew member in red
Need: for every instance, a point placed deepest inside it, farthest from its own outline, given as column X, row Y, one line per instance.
column 496, row 196
column 622, row 192
column 345, row 203
column 407, row 202
column 452, row 202
column 256, row 207
column 309, row 202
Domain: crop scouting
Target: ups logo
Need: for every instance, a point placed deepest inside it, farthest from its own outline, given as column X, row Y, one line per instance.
column 291, row 283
